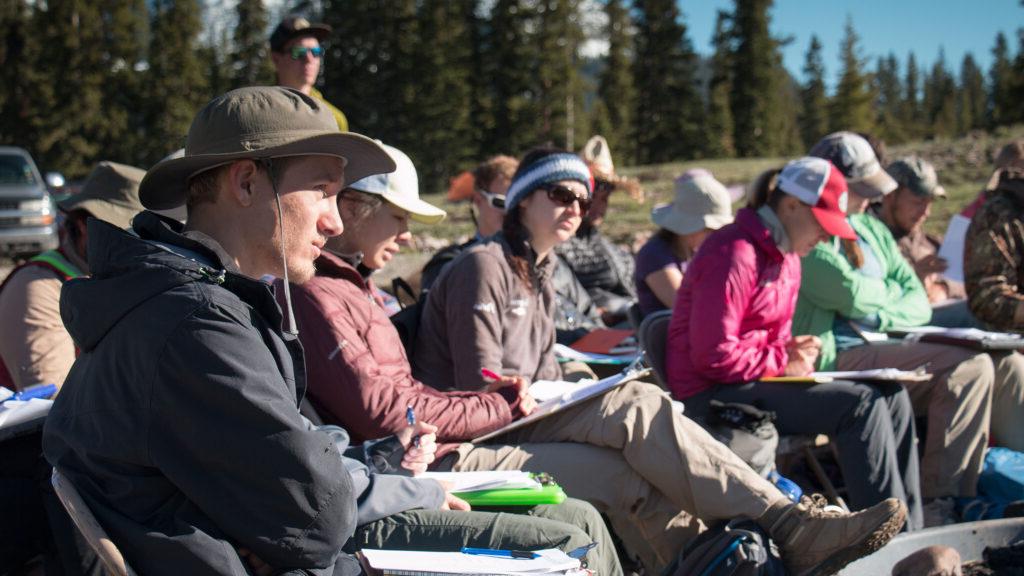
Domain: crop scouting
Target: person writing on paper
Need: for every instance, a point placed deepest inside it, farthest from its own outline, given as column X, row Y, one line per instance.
column 359, row 377
column 730, row 327
column 657, row 475
column 701, row 206
column 854, row 286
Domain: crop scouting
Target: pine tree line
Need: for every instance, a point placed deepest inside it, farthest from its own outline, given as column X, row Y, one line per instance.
column 453, row 81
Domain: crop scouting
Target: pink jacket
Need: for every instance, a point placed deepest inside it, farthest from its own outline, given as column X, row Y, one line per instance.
column 358, row 375
column 734, row 310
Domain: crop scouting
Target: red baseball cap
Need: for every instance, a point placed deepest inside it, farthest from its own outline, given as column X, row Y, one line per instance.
column 819, row 184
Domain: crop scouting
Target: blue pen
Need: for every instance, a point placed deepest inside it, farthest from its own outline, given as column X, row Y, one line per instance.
column 37, row 391
column 517, row 554
column 410, row 418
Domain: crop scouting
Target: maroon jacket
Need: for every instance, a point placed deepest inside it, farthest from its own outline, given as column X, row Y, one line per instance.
column 358, row 375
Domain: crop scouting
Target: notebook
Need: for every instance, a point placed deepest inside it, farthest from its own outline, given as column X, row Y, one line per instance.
column 413, row 563
column 964, row 337
column 879, row 374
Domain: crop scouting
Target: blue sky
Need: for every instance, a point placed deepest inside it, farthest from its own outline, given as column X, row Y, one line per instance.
column 900, row 26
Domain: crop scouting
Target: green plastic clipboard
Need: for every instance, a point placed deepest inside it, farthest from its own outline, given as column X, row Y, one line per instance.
column 548, row 494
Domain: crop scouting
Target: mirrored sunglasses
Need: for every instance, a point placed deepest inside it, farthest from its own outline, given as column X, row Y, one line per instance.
column 496, row 201
column 565, row 196
column 299, row 52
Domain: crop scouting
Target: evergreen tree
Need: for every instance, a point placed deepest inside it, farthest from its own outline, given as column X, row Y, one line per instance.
column 888, row 99
column 910, row 115
column 27, row 86
column 125, row 31
column 175, row 82
column 719, row 126
column 814, row 109
column 251, row 64
column 668, row 106
column 940, row 99
column 616, row 95
column 850, row 108
column 70, row 33
column 559, row 95
column 1017, row 80
column 763, row 113
column 510, row 74
column 444, row 141
column 1002, row 107
column 972, row 98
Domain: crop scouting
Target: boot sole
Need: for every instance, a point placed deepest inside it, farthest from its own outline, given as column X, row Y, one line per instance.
column 874, row 540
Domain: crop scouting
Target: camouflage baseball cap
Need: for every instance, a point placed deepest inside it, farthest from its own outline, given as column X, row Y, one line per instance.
column 918, row 176
column 296, row 27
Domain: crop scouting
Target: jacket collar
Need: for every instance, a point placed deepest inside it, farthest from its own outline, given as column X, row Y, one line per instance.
column 749, row 222
column 541, row 271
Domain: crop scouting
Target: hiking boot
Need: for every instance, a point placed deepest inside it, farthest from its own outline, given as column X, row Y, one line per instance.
column 815, row 541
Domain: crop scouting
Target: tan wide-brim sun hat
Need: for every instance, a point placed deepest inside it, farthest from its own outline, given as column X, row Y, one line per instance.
column 110, row 193
column 401, row 188
column 259, row 122
column 700, row 202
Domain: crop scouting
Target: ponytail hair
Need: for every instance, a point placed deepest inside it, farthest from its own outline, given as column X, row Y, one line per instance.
column 853, row 253
column 765, row 190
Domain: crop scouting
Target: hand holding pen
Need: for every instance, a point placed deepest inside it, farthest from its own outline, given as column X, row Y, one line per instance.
column 420, row 442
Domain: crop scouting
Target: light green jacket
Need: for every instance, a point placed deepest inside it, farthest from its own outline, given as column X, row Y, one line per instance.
column 830, row 285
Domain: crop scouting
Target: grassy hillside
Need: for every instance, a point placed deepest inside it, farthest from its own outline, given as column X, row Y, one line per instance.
column 964, row 165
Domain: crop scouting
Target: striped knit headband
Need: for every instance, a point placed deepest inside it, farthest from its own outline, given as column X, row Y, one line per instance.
column 553, row 168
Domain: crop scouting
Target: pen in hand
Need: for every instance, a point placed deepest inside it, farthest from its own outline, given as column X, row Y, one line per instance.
column 410, row 418
column 490, row 375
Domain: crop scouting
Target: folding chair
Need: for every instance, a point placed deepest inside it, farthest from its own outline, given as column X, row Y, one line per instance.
column 89, row 527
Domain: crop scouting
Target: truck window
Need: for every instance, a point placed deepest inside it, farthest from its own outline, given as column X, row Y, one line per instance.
column 15, row 169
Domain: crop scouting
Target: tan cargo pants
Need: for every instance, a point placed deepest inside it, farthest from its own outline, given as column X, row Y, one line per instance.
column 957, row 401
column 657, row 475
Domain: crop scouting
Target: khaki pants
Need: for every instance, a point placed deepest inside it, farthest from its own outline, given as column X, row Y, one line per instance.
column 656, row 474
column 1008, row 400
column 957, row 401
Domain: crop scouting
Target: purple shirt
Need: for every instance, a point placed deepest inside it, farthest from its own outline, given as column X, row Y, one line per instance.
column 656, row 255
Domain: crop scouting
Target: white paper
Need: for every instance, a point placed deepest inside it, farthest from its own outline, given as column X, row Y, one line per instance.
column 893, row 374
column 953, row 247
column 965, row 333
column 564, row 352
column 550, row 562
column 483, row 480
column 543, row 390
column 15, row 411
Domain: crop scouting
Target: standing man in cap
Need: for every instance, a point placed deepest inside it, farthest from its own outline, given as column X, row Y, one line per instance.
column 297, row 54
column 35, row 348
column 179, row 421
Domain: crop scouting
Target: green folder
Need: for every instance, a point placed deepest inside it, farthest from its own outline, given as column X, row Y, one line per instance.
column 547, row 494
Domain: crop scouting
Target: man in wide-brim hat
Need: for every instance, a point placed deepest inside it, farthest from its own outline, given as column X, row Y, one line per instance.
column 179, row 421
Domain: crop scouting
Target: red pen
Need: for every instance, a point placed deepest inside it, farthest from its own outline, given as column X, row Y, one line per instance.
column 490, row 374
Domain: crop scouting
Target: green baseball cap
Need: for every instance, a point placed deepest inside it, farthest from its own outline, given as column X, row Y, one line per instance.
column 110, row 193
column 918, row 176
column 259, row 122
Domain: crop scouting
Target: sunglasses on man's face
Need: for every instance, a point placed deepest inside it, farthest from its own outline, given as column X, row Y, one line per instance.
column 496, row 201
column 299, row 52
column 565, row 196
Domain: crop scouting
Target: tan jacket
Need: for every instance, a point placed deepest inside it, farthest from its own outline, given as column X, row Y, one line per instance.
column 33, row 342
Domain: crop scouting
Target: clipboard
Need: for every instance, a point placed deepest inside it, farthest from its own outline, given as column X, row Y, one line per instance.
column 971, row 338
column 874, row 374
column 581, row 394
column 547, row 494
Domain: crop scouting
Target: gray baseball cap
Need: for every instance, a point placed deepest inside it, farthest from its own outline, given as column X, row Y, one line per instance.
column 855, row 158
column 259, row 122
column 918, row 176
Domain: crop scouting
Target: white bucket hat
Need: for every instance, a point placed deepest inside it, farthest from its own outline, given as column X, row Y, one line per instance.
column 700, row 202
column 401, row 188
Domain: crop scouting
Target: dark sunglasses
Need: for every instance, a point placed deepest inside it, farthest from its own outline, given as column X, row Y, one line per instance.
column 604, row 186
column 565, row 196
column 495, row 200
column 299, row 52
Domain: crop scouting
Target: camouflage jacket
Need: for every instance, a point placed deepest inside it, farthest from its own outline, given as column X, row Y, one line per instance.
column 994, row 262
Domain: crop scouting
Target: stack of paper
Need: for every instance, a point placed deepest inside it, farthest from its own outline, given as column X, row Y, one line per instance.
column 565, row 353
column 15, row 411
column 399, row 562
column 485, row 480
column 882, row 374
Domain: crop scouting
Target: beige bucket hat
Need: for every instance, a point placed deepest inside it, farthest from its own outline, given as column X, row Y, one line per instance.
column 700, row 202
column 110, row 193
column 259, row 122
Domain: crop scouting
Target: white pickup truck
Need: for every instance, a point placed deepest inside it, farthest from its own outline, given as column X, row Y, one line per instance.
column 28, row 218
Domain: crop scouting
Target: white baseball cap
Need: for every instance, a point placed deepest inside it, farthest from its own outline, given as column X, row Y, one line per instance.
column 401, row 188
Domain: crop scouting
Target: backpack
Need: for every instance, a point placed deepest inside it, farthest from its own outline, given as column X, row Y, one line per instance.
column 738, row 547
column 407, row 320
